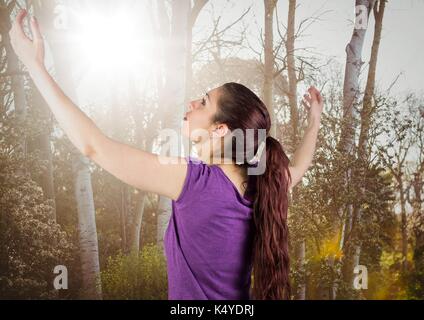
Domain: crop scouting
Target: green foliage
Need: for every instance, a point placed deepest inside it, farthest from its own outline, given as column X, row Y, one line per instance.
column 387, row 283
column 415, row 288
column 415, row 277
column 136, row 276
column 31, row 244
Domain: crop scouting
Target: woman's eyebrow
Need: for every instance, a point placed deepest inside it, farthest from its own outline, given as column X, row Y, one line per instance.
column 207, row 95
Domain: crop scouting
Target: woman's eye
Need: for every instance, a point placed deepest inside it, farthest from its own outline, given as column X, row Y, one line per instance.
column 203, row 101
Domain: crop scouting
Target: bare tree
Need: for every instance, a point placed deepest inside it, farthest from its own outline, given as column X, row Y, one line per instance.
column 91, row 286
column 194, row 14
column 393, row 153
column 174, row 91
column 269, row 62
column 351, row 100
column 366, row 118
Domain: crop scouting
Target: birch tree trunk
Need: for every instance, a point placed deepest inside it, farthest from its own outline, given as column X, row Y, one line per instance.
column 269, row 62
column 366, row 114
column 173, row 101
column 291, row 71
column 195, row 11
column 141, row 201
column 89, row 252
column 138, row 220
column 91, row 288
column 300, row 244
column 351, row 99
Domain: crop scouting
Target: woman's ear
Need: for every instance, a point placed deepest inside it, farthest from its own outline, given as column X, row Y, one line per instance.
column 220, row 131
column 215, row 133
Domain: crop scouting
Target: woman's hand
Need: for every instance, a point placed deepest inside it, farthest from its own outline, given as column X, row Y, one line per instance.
column 30, row 52
column 314, row 104
column 303, row 156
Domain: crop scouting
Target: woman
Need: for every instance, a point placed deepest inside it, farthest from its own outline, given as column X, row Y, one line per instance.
column 225, row 223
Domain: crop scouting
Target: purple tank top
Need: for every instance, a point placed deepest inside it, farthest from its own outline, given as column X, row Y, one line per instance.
column 208, row 241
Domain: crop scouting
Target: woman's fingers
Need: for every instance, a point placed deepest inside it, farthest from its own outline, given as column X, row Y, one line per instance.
column 320, row 99
column 311, row 93
column 307, row 98
column 314, row 93
column 313, row 96
column 306, row 104
column 18, row 26
column 318, row 95
column 30, row 52
column 35, row 29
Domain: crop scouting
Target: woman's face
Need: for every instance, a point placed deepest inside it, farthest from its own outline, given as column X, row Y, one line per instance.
column 198, row 119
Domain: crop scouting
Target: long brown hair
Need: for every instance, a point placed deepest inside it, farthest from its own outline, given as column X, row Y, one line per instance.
column 240, row 108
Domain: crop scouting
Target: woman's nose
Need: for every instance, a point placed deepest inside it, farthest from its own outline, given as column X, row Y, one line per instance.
column 192, row 105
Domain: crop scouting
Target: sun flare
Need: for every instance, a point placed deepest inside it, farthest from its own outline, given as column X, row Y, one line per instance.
column 113, row 43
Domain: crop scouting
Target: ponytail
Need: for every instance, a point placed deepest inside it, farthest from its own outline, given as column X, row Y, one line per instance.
column 270, row 256
column 241, row 108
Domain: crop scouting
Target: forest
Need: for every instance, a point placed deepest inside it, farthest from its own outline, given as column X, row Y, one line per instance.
column 356, row 220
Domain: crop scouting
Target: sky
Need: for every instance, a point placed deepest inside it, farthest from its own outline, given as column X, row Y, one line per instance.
column 401, row 46
column 400, row 51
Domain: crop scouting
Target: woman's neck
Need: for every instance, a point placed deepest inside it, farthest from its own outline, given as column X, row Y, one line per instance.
column 205, row 153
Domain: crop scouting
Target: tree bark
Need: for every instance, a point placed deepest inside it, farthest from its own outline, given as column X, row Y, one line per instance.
column 175, row 92
column 195, row 11
column 291, row 71
column 351, row 98
column 89, row 252
column 366, row 114
column 300, row 244
column 269, row 62
column 365, row 127
column 138, row 221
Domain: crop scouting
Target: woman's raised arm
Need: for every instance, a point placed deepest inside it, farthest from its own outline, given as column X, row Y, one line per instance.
column 140, row 169
column 302, row 158
column 79, row 128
